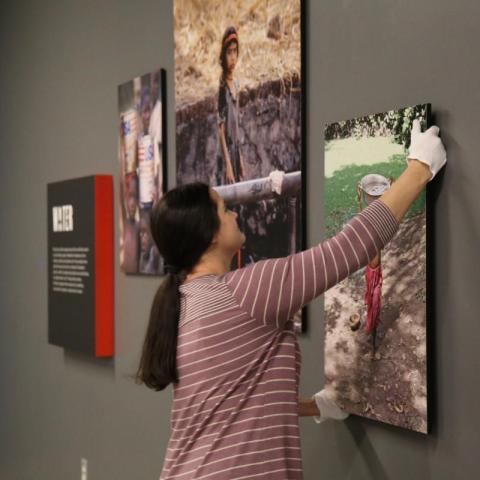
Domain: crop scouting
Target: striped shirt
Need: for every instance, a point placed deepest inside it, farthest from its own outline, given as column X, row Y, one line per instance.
column 235, row 408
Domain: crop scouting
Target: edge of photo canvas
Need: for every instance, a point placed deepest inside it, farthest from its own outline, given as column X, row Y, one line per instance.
column 163, row 96
column 430, row 292
column 303, row 151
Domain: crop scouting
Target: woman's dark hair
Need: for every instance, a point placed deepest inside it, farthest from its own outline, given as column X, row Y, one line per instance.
column 183, row 223
column 223, row 51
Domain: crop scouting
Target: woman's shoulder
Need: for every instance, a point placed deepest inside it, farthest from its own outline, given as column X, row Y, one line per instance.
column 244, row 274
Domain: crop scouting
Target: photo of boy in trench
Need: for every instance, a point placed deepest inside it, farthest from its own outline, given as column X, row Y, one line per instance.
column 238, row 107
column 142, row 170
column 376, row 318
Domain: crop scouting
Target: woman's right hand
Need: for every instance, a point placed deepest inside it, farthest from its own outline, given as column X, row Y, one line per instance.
column 427, row 148
column 426, row 157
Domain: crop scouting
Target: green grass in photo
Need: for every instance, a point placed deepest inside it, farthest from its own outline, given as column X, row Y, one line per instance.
column 340, row 186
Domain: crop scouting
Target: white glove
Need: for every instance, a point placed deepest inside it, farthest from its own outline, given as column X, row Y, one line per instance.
column 276, row 177
column 325, row 400
column 427, row 147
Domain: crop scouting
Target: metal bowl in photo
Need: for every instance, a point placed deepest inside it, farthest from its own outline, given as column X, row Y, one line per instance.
column 373, row 186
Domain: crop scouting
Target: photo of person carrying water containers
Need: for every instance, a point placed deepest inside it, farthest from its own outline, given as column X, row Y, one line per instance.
column 142, row 170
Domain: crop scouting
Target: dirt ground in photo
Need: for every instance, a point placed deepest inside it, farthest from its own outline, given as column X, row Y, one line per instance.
column 388, row 382
column 269, row 36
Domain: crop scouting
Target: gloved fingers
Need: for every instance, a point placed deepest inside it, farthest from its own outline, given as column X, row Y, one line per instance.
column 433, row 130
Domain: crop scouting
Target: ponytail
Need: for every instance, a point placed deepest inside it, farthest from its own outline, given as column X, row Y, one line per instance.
column 158, row 361
column 183, row 224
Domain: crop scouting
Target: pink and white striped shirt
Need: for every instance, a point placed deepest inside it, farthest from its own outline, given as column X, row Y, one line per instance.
column 235, row 409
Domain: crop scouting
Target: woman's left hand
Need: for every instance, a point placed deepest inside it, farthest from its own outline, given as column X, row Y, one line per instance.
column 328, row 407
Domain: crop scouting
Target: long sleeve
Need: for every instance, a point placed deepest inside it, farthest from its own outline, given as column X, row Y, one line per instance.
column 272, row 290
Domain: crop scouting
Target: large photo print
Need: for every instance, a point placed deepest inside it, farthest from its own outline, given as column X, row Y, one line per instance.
column 142, row 161
column 239, row 110
column 376, row 319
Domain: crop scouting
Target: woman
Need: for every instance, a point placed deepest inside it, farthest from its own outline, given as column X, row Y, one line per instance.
column 225, row 339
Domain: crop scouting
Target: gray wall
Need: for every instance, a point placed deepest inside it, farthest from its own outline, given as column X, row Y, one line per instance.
column 60, row 64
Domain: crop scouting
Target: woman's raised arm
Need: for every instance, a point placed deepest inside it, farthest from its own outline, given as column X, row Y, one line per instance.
column 273, row 290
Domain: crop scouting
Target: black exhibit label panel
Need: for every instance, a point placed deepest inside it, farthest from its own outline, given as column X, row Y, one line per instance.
column 80, row 264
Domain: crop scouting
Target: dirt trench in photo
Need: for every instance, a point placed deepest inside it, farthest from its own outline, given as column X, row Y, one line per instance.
column 270, row 132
